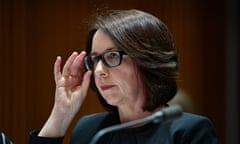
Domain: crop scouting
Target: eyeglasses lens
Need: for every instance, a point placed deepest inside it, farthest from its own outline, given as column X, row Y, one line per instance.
column 110, row 59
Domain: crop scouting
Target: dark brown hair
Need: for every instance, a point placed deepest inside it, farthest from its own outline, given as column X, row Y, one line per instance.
column 150, row 45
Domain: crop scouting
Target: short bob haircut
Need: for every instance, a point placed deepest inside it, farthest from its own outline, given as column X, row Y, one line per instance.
column 147, row 41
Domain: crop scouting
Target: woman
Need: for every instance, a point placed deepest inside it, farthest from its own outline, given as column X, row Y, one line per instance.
column 132, row 66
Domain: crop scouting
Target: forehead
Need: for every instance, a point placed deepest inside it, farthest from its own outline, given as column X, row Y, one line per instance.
column 102, row 42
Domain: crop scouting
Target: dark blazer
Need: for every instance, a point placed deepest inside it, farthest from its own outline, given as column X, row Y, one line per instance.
column 4, row 139
column 187, row 129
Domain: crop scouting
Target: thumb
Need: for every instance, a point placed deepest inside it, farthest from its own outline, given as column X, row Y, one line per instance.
column 83, row 89
column 86, row 80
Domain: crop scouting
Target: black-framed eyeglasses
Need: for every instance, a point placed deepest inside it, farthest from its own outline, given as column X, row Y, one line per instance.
column 111, row 58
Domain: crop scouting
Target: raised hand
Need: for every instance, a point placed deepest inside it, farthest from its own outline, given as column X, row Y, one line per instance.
column 71, row 89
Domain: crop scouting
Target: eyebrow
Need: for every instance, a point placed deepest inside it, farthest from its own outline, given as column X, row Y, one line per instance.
column 106, row 50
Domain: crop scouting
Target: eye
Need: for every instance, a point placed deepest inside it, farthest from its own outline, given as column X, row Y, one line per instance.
column 94, row 59
column 112, row 55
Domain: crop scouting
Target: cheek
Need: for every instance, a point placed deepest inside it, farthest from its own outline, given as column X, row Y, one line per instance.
column 130, row 82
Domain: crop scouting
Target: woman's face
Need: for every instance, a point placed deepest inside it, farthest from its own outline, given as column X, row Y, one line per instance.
column 120, row 86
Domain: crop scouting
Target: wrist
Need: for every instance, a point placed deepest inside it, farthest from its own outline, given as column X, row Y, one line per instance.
column 56, row 125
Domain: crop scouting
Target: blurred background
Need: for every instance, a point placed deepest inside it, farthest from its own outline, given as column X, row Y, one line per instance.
column 34, row 32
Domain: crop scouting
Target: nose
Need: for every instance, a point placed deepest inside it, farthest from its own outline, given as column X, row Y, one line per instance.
column 101, row 70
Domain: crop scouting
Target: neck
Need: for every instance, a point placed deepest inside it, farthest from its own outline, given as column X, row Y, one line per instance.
column 130, row 114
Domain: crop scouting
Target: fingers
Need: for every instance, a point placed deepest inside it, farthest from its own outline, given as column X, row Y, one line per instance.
column 78, row 65
column 67, row 67
column 72, row 68
column 86, row 79
column 82, row 90
column 57, row 71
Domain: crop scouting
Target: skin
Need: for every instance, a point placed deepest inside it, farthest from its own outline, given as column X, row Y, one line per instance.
column 120, row 86
column 71, row 89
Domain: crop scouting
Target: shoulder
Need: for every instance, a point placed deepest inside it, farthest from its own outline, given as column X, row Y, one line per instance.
column 188, row 120
column 97, row 117
column 192, row 128
column 92, row 121
column 88, row 125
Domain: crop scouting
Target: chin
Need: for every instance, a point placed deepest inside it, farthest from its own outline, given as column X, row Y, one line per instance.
column 112, row 102
column 112, row 98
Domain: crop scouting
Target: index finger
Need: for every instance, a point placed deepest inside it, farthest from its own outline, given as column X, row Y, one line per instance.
column 68, row 64
column 78, row 64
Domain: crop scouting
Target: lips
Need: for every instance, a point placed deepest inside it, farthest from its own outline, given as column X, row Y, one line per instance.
column 106, row 87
